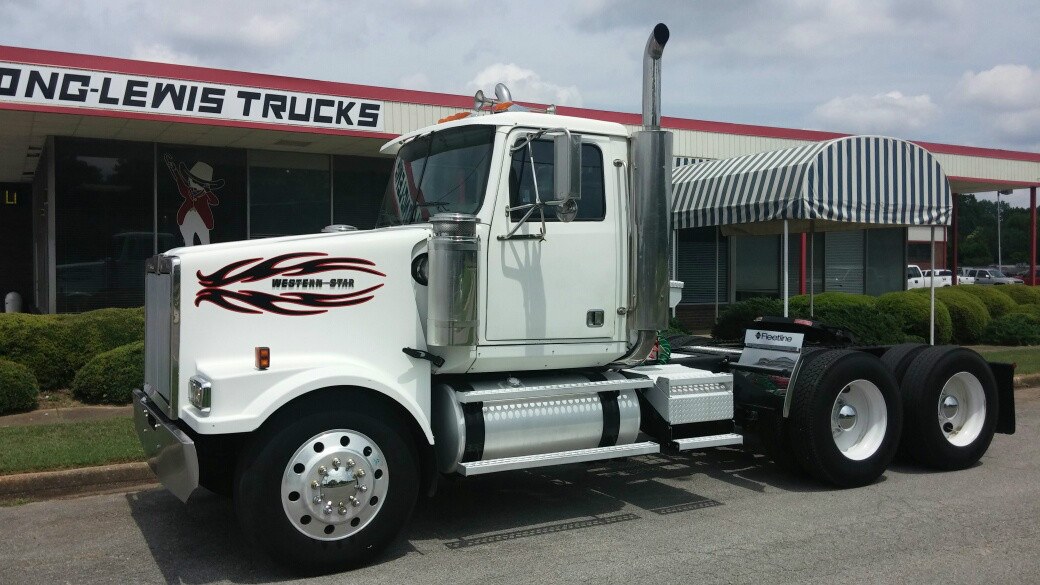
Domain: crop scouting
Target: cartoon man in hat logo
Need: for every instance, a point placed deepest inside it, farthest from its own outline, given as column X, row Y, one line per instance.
column 197, row 188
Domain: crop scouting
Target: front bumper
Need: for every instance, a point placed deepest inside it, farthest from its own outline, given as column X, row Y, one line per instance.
column 170, row 451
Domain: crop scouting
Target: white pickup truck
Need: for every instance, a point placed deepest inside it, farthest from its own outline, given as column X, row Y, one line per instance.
column 915, row 278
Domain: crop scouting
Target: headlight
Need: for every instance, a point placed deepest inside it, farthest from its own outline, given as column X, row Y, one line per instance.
column 421, row 269
column 199, row 392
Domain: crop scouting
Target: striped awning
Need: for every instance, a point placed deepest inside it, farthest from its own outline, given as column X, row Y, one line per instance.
column 856, row 179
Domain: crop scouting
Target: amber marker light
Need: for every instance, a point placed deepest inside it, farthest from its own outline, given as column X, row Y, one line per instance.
column 263, row 358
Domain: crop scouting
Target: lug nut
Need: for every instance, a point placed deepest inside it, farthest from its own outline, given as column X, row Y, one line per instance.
column 314, row 485
column 362, row 488
column 360, row 473
column 316, row 499
column 322, row 470
column 355, row 501
column 350, row 463
column 335, row 463
column 342, row 510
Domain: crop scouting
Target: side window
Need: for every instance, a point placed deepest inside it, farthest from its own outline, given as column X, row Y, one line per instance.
column 522, row 179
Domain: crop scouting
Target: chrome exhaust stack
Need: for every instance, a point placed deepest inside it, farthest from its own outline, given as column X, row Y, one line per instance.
column 649, row 211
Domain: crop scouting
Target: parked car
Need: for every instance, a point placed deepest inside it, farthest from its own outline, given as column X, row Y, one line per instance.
column 963, row 276
column 992, row 276
column 943, row 277
column 916, row 278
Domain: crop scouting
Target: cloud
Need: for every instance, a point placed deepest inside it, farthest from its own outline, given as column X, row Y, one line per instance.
column 525, row 85
column 1008, row 87
column 161, row 53
column 888, row 113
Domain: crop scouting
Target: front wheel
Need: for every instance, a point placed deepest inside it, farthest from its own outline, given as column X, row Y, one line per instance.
column 329, row 490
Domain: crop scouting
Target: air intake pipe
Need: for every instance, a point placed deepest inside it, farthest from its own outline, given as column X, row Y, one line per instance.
column 649, row 209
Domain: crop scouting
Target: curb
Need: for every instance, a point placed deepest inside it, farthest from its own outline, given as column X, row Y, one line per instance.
column 1027, row 380
column 75, row 482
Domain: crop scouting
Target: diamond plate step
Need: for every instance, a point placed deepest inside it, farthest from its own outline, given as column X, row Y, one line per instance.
column 563, row 457
column 709, row 441
column 553, row 390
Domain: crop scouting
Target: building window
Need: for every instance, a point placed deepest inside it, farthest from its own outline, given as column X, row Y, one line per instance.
column 103, row 207
column 357, row 189
column 695, row 260
column 758, row 267
column 201, row 195
column 289, row 193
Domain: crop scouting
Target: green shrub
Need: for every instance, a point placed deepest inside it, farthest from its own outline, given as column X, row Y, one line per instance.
column 997, row 303
column 862, row 320
column 800, row 303
column 676, row 326
column 1013, row 329
column 95, row 332
column 1021, row 294
column 968, row 314
column 737, row 317
column 53, row 347
column 18, row 387
column 110, row 376
column 1032, row 310
column 40, row 343
column 913, row 310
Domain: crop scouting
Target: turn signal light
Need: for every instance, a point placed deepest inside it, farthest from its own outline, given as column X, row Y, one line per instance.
column 263, row 358
column 453, row 117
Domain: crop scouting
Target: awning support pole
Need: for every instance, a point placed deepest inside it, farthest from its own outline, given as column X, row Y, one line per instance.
column 1032, row 236
column 931, row 281
column 953, row 230
column 787, row 261
column 801, row 270
column 716, row 273
column 812, row 268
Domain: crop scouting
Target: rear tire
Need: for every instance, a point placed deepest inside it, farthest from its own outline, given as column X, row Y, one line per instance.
column 846, row 417
column 899, row 357
column 359, row 512
column 950, row 400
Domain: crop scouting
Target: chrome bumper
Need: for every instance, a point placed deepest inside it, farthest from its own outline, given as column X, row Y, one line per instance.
column 171, row 453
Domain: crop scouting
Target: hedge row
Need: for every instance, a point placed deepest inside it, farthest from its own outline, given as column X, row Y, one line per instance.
column 964, row 314
column 54, row 347
column 18, row 388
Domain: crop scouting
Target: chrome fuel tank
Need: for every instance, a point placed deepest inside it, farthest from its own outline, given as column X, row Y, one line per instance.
column 494, row 418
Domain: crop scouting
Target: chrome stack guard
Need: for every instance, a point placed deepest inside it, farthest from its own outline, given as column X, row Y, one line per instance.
column 170, row 451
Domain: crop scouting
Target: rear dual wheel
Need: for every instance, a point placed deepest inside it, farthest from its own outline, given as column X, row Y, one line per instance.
column 846, row 417
column 950, row 400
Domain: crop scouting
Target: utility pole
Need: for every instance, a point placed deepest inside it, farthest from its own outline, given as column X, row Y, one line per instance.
column 1000, row 258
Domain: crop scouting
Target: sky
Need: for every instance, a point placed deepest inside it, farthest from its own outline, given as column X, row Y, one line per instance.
column 954, row 71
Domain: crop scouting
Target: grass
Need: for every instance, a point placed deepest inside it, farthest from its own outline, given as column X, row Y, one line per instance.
column 68, row 445
column 1027, row 358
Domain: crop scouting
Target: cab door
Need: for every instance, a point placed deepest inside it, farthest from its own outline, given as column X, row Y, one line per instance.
column 565, row 285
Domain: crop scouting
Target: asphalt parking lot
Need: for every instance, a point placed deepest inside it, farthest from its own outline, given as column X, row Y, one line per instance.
column 722, row 516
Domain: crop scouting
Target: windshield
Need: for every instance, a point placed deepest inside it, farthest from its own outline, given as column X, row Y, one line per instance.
column 996, row 274
column 441, row 172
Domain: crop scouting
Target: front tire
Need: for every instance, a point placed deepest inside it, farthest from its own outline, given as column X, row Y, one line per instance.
column 846, row 417
column 950, row 399
column 326, row 491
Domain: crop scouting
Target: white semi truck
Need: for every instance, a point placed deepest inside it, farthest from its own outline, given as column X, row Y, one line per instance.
column 499, row 319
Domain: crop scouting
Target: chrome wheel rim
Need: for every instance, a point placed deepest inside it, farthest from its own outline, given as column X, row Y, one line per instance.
column 859, row 419
column 962, row 409
column 334, row 484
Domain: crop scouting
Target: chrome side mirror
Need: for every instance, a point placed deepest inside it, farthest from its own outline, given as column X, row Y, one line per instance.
column 566, row 175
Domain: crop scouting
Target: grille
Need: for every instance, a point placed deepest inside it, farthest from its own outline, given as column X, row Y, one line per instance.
column 162, row 331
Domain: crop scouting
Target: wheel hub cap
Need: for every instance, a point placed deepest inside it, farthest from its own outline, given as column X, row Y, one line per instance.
column 948, row 406
column 846, row 417
column 334, row 484
column 962, row 409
